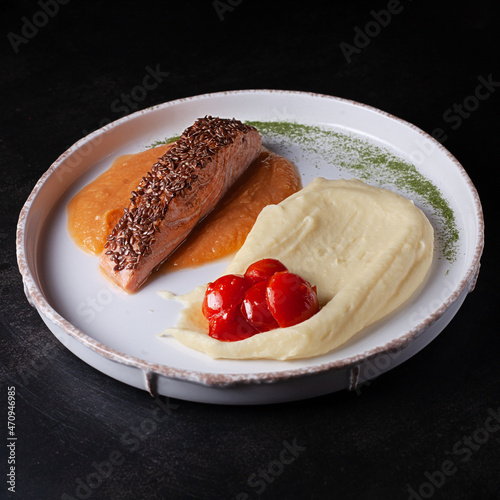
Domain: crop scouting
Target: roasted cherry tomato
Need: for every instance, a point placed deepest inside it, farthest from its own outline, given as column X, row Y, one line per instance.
column 230, row 327
column 267, row 297
column 291, row 299
column 263, row 269
column 255, row 310
column 224, row 294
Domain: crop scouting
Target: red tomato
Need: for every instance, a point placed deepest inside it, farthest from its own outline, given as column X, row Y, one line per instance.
column 291, row 299
column 263, row 269
column 267, row 297
column 230, row 327
column 224, row 294
column 255, row 310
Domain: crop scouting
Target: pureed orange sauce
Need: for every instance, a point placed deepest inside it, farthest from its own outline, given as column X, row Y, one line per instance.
column 94, row 211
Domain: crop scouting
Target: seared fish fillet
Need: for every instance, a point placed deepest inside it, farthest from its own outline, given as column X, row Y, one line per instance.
column 183, row 186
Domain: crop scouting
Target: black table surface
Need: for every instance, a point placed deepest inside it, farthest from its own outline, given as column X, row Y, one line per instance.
column 428, row 428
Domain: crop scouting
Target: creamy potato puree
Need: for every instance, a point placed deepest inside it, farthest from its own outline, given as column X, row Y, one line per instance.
column 366, row 249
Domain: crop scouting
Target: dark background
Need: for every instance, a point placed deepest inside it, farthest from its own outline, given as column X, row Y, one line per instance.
column 398, row 432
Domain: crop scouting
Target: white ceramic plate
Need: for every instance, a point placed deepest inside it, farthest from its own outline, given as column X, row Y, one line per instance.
column 118, row 333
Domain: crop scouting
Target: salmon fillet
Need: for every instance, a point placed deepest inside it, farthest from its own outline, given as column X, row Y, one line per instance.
column 183, row 186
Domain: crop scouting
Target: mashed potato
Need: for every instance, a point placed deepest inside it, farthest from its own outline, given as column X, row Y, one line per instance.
column 366, row 249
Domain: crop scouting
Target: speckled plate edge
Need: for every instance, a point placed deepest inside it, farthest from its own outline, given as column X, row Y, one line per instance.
column 151, row 370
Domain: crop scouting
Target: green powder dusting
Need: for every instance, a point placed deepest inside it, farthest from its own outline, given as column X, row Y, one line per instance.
column 366, row 161
column 163, row 141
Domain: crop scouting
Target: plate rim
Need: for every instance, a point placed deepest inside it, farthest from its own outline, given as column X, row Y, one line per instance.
column 37, row 299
